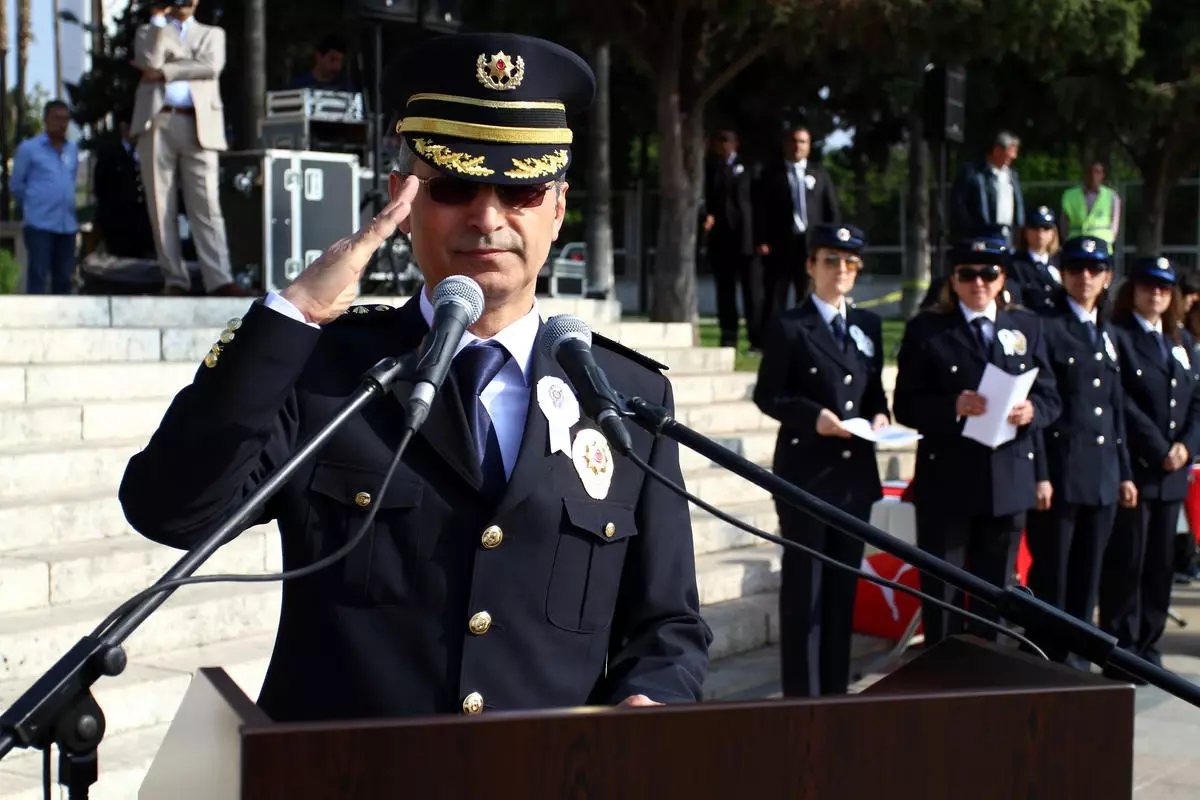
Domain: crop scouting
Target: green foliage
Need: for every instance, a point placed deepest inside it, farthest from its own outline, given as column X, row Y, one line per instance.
column 35, row 101
column 10, row 272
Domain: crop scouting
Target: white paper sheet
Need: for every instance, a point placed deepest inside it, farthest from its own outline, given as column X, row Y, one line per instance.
column 889, row 435
column 1002, row 391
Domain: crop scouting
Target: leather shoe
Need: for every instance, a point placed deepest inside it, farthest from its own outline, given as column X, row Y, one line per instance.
column 231, row 290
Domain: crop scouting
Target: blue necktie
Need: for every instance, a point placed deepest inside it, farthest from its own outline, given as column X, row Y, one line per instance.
column 474, row 368
column 982, row 333
column 838, row 323
column 1093, row 333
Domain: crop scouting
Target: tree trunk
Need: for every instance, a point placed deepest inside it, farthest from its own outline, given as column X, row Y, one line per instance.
column 255, row 87
column 5, row 197
column 23, row 35
column 1156, row 183
column 58, row 65
column 599, row 197
column 680, row 169
column 915, row 274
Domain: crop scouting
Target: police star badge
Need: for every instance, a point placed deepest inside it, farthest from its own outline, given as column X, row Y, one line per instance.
column 500, row 71
column 593, row 461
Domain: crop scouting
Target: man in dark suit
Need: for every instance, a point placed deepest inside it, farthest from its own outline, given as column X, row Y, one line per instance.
column 986, row 199
column 793, row 196
column 729, row 222
column 120, row 198
column 499, row 573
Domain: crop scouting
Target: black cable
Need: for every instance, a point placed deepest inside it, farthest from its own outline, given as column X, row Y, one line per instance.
column 47, row 784
column 737, row 523
column 299, row 572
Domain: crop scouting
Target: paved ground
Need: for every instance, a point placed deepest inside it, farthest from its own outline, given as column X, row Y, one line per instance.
column 1167, row 730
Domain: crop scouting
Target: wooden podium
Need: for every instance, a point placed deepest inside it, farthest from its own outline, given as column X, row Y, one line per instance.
column 967, row 719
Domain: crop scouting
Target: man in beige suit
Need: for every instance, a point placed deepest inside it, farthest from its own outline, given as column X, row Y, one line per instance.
column 180, row 127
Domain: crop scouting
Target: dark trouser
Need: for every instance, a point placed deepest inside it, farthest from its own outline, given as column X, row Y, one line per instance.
column 1135, row 584
column 732, row 268
column 786, row 267
column 50, row 256
column 816, row 605
column 985, row 546
column 1067, row 544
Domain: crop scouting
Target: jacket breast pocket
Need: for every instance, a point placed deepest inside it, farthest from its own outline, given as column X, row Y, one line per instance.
column 588, row 562
column 380, row 569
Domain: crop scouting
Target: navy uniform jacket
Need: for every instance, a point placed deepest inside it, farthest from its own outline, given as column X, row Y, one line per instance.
column 590, row 601
column 803, row 371
column 1162, row 404
column 939, row 358
column 1086, row 458
column 1031, row 284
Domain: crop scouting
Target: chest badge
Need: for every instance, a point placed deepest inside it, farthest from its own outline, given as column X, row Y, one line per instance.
column 593, row 462
column 862, row 341
column 1108, row 347
column 1180, row 353
column 561, row 410
column 1012, row 342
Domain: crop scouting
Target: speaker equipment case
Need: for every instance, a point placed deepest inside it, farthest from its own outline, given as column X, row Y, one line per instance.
column 945, row 104
column 283, row 208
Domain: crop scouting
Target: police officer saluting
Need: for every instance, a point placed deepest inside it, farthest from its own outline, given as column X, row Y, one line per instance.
column 1162, row 406
column 1086, row 460
column 971, row 499
column 823, row 363
column 500, row 573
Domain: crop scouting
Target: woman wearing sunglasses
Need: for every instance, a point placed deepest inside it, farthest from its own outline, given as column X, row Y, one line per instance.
column 971, row 499
column 823, row 363
column 1162, row 405
column 1086, row 461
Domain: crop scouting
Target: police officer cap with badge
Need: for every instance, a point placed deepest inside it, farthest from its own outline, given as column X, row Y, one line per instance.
column 822, row 364
column 515, row 560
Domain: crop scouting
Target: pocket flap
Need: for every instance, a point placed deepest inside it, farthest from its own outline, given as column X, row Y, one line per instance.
column 608, row 521
column 361, row 488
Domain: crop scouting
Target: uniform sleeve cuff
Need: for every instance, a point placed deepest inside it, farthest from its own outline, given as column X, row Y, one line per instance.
column 277, row 302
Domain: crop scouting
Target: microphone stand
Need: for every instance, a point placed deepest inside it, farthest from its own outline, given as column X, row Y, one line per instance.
column 60, row 709
column 1014, row 603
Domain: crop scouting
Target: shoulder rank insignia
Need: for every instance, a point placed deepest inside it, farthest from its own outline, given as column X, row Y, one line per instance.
column 628, row 352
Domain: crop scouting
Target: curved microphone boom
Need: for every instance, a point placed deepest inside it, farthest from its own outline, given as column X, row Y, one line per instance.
column 457, row 305
column 568, row 340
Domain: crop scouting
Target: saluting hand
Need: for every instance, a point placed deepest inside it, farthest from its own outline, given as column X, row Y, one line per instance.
column 828, row 424
column 1021, row 414
column 1129, row 494
column 329, row 285
column 970, row 404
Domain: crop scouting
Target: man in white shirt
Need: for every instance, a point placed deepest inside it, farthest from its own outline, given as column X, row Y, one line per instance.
column 987, row 199
column 179, row 122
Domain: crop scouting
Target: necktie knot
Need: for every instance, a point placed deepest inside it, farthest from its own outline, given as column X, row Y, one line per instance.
column 477, row 365
column 982, row 326
column 838, row 323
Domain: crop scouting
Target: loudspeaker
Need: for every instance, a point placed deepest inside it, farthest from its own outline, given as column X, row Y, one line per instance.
column 439, row 15
column 945, row 103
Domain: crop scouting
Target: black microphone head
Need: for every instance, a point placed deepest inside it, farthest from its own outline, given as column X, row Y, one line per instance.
column 562, row 328
column 462, row 291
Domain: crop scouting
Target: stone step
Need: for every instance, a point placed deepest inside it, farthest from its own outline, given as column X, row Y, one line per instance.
column 691, row 359
column 32, row 472
column 756, row 446
column 31, row 641
column 714, row 418
column 24, row 311
column 734, row 574
column 694, row 390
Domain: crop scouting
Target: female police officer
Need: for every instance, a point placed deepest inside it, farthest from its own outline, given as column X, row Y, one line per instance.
column 1034, row 278
column 971, row 499
column 823, row 363
column 1086, row 460
column 1162, row 403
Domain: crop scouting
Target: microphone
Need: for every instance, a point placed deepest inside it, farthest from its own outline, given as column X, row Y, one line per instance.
column 568, row 340
column 457, row 305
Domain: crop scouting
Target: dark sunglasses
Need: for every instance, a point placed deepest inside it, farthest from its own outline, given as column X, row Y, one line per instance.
column 969, row 274
column 835, row 260
column 449, row 191
column 1094, row 268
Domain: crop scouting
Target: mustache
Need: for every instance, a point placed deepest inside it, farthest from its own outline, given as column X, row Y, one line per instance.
column 500, row 240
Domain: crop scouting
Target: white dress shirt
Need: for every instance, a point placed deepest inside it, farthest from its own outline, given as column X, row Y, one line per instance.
column 1005, row 196
column 178, row 93
column 506, row 398
column 1148, row 327
column 1083, row 316
column 989, row 312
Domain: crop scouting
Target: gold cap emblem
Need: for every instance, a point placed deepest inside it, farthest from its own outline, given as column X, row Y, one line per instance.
column 500, row 71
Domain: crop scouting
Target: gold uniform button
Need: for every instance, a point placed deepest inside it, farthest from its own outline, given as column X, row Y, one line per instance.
column 233, row 324
column 227, row 336
column 609, row 530
column 210, row 360
column 481, row 623
column 362, row 499
column 492, row 536
column 473, row 703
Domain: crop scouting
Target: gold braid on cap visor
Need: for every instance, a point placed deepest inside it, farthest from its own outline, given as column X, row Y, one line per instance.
column 486, row 133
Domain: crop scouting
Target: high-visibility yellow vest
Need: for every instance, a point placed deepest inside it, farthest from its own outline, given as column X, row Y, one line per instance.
column 1098, row 222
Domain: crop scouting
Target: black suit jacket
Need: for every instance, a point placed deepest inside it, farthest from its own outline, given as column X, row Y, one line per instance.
column 1086, row 458
column 939, row 358
column 973, row 206
column 591, row 600
column 804, row 371
column 121, row 212
column 727, row 197
column 1034, row 285
column 773, row 208
column 1162, row 407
